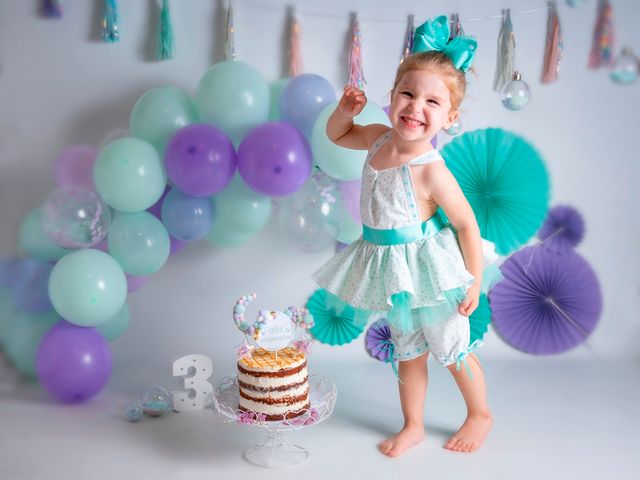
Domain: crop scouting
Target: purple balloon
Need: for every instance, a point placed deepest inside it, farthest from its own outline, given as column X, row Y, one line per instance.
column 134, row 282
column 351, row 196
column 274, row 159
column 73, row 363
column 74, row 167
column 176, row 245
column 200, row 160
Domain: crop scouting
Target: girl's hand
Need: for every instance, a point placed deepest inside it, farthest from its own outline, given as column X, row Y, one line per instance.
column 470, row 303
column 352, row 102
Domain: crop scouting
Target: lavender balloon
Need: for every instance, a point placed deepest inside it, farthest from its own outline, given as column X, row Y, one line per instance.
column 156, row 210
column 200, row 160
column 274, row 159
column 74, row 167
column 73, row 363
column 185, row 217
column 303, row 98
column 351, row 197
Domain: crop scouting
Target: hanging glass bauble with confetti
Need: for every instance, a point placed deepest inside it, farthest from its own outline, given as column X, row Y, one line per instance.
column 627, row 67
column 516, row 94
column 455, row 128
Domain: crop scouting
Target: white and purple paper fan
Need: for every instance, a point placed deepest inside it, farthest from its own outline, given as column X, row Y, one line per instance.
column 562, row 230
column 378, row 341
column 547, row 303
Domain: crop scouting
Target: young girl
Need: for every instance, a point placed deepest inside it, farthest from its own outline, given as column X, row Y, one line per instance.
column 419, row 269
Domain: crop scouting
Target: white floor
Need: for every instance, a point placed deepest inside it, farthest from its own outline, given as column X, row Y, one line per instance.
column 553, row 419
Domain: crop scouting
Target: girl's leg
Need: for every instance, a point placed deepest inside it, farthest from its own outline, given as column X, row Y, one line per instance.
column 413, row 388
column 479, row 421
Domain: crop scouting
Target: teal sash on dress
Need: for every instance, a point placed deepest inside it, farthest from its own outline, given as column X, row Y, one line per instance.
column 408, row 234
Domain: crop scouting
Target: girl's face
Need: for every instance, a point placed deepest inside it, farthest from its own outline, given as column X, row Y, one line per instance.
column 421, row 105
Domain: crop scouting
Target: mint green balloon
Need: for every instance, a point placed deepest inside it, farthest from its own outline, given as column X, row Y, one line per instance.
column 159, row 113
column 338, row 162
column 276, row 89
column 33, row 242
column 116, row 325
column 139, row 242
column 234, row 97
column 222, row 235
column 240, row 208
column 350, row 230
column 7, row 311
column 128, row 175
column 87, row 287
column 23, row 338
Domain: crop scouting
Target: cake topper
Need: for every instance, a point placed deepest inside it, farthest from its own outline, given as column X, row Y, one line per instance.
column 272, row 329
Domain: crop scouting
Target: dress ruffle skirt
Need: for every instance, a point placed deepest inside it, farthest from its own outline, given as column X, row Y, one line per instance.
column 411, row 284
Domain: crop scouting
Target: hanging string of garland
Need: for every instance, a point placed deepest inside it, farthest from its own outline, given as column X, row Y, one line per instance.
column 356, row 75
column 506, row 53
column 166, row 43
column 408, row 38
column 295, row 53
column 110, row 31
column 230, row 45
column 52, row 8
column 553, row 46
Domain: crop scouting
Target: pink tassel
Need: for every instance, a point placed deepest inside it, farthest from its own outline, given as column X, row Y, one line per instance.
column 356, row 76
column 295, row 55
column 603, row 37
column 553, row 47
column 408, row 39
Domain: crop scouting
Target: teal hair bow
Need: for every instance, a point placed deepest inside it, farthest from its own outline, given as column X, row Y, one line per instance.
column 434, row 36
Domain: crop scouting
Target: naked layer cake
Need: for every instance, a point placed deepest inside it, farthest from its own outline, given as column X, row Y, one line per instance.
column 275, row 384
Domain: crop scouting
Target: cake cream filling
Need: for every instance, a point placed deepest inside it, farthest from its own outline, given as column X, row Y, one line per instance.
column 296, row 392
column 273, row 382
column 281, row 409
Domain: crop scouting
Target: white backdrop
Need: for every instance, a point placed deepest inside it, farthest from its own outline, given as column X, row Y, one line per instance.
column 59, row 86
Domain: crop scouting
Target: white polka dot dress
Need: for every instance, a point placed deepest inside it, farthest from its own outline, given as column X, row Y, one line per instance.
column 367, row 275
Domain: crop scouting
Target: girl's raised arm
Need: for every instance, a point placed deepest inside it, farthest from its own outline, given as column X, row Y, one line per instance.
column 340, row 127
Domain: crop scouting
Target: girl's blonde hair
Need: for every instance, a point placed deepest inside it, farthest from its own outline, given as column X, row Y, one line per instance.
column 453, row 78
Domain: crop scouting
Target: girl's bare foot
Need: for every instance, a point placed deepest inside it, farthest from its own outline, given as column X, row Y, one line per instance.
column 472, row 433
column 400, row 442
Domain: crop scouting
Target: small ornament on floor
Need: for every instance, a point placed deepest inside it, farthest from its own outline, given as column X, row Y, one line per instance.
column 156, row 402
column 134, row 411
column 516, row 94
column 625, row 70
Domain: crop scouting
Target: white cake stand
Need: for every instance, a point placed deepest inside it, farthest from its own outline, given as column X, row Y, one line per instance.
column 276, row 451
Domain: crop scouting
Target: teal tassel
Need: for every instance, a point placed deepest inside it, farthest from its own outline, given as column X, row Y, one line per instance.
column 110, row 32
column 166, row 45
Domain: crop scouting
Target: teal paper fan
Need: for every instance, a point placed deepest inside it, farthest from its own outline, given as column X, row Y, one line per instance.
column 505, row 181
column 480, row 319
column 330, row 326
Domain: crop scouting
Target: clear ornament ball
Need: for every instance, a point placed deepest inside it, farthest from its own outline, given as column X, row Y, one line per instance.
column 454, row 129
column 156, row 402
column 134, row 411
column 625, row 70
column 515, row 95
column 75, row 217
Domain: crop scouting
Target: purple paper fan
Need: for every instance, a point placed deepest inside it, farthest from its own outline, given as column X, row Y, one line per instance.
column 562, row 230
column 378, row 341
column 547, row 303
